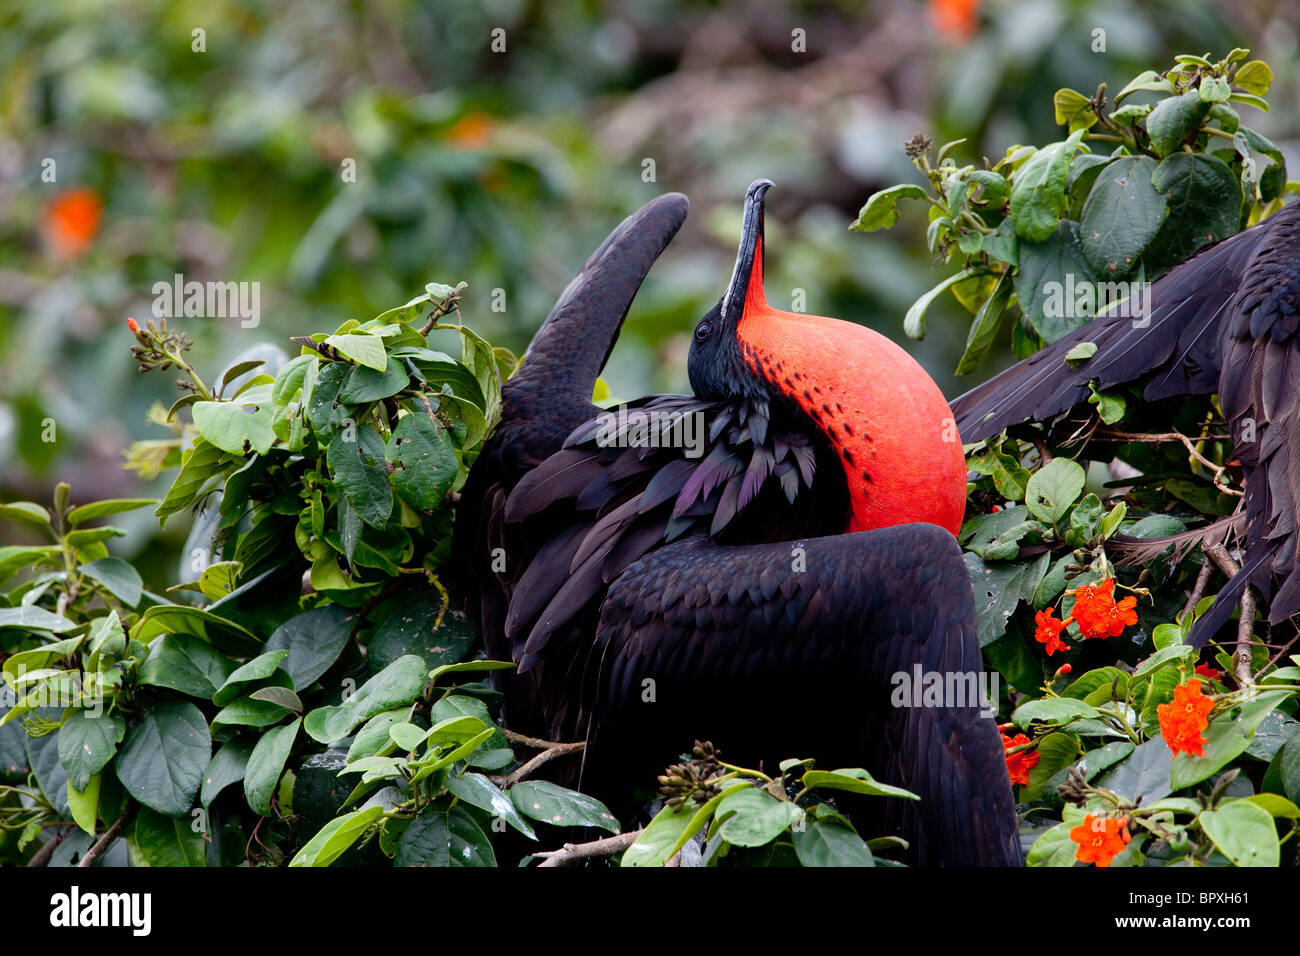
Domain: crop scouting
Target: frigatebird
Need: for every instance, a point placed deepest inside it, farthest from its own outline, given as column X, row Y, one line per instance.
column 1223, row 321
column 769, row 587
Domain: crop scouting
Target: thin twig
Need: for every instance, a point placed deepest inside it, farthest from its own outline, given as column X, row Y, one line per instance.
column 574, row 852
column 546, row 756
column 537, row 743
column 1246, row 624
column 1157, row 437
column 1198, row 589
column 43, row 855
column 102, row 843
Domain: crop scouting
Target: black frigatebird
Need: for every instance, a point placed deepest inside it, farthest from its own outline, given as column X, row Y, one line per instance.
column 1224, row 321
column 776, row 588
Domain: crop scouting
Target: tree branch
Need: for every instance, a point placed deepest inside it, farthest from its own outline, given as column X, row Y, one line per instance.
column 574, row 852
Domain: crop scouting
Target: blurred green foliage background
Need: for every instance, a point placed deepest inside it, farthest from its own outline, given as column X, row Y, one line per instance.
column 504, row 168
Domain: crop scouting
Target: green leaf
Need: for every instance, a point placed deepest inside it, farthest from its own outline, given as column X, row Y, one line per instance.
column 670, row 829
column 219, row 579
column 1174, row 120
column 753, row 817
column 1203, row 197
column 159, row 840
column 17, row 557
column 984, row 329
column 1049, row 271
column 853, row 780
column 1243, row 832
column 1053, row 489
column 266, row 764
column 334, row 839
column 1055, row 752
column 362, row 347
column 408, row 629
column 227, row 766
column 1143, row 775
column 1081, row 352
column 881, row 209
column 199, row 464
column 396, row 685
column 26, row 512
column 1038, row 191
column 1254, row 77
column 361, row 472
column 478, row 791
column 87, row 743
column 1162, row 658
column 162, row 762
column 999, row 589
column 1121, row 216
column 1052, row 710
column 1275, row 806
column 1214, row 89
column 368, row 385
column 29, row 617
column 424, row 460
column 101, row 509
column 293, row 377
column 443, row 837
column 314, row 640
column 187, row 664
column 240, row 425
column 830, row 844
column 117, row 577
column 914, row 320
column 559, row 806
column 1073, row 109
column 1055, row 848
column 1148, row 80
column 258, row 669
column 83, row 804
column 1111, row 406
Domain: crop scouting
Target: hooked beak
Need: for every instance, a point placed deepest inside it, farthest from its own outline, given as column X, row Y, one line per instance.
column 747, row 277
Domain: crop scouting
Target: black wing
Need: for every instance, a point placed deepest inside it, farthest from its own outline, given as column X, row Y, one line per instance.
column 1223, row 321
column 799, row 649
column 1260, row 397
column 542, row 403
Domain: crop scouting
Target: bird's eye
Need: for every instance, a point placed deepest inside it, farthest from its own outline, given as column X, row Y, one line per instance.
column 702, row 331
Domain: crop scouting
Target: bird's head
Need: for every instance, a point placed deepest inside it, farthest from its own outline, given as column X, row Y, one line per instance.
column 716, row 366
column 880, row 411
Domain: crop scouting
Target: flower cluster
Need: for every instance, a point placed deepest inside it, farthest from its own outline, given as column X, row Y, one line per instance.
column 1183, row 719
column 1100, row 839
column 1021, row 762
column 1096, row 612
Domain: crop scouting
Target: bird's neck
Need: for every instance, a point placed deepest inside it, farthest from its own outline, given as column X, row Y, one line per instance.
column 885, row 418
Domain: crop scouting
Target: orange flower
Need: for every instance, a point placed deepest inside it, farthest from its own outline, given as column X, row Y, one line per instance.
column 1019, row 764
column 1049, row 631
column 471, row 131
column 1100, row 839
column 1183, row 719
column 1096, row 612
column 71, row 221
column 955, row 19
column 133, row 325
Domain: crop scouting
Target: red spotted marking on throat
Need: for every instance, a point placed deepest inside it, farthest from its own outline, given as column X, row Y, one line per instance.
column 882, row 413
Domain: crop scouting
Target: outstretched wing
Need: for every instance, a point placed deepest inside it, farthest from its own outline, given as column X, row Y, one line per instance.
column 772, row 650
column 1175, row 349
column 1223, row 321
column 1260, row 397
